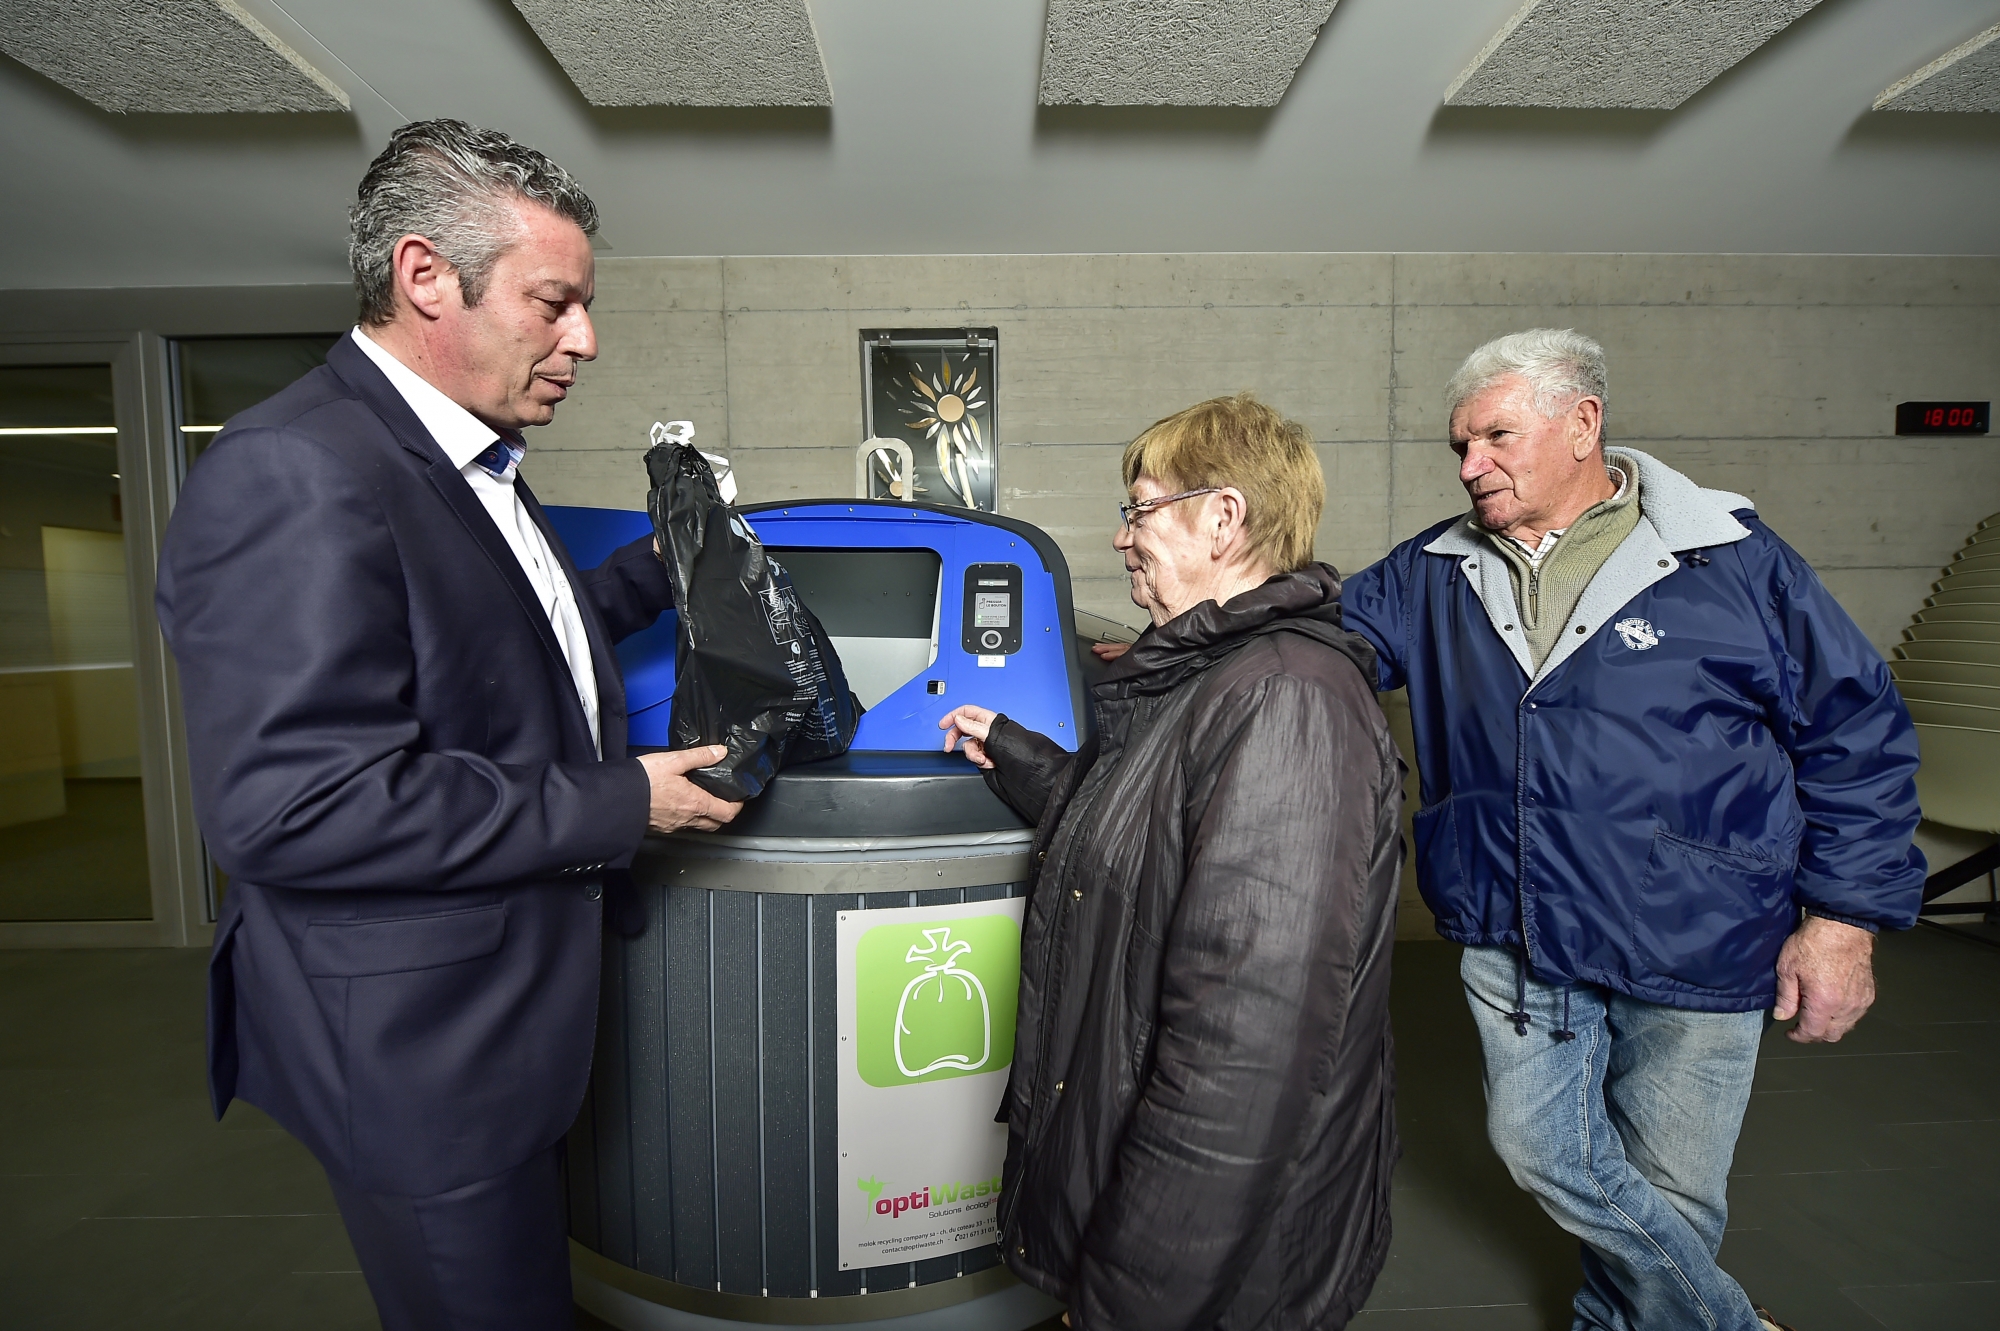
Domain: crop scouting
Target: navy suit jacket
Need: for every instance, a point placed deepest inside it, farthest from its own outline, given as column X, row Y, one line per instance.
column 390, row 762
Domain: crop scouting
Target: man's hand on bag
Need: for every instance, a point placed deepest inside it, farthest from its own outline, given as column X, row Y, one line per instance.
column 1826, row 978
column 678, row 802
column 971, row 724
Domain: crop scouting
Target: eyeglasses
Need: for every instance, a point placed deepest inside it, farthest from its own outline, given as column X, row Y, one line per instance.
column 1133, row 516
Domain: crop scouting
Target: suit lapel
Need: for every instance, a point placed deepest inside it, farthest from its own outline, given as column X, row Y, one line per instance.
column 479, row 524
column 603, row 659
column 373, row 388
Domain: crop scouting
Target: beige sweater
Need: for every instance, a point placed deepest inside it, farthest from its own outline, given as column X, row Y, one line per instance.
column 1546, row 592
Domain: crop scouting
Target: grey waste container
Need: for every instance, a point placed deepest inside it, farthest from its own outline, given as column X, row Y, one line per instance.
column 702, row 1173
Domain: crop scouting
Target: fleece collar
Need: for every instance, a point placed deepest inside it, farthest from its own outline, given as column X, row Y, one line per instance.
column 1684, row 515
column 1675, row 515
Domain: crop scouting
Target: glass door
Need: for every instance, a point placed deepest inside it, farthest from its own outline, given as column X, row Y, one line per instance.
column 216, row 377
column 72, row 803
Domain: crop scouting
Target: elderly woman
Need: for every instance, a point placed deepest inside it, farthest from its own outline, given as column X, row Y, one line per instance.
column 1200, row 1125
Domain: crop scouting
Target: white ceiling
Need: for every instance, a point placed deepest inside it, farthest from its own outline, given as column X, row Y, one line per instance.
column 935, row 144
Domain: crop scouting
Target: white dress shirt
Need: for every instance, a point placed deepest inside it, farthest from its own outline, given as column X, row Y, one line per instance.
column 464, row 437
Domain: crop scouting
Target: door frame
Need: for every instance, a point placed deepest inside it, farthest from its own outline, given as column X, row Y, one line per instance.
column 149, row 478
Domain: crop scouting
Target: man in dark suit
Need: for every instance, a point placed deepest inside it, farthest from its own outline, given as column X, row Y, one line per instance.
column 407, row 737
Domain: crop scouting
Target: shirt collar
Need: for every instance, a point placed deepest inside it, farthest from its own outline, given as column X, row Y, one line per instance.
column 462, row 435
column 1536, row 552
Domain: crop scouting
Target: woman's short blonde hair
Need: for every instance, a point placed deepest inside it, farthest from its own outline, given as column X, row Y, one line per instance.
column 1241, row 442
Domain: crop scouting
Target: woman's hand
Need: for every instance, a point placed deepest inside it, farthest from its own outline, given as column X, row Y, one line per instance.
column 971, row 724
column 1109, row 651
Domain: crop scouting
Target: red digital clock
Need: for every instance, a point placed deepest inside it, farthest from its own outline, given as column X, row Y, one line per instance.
column 1942, row 417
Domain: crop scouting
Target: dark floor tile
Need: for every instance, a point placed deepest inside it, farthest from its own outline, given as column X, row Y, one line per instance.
column 1795, row 1284
column 1475, row 1245
column 233, row 1173
column 327, row 1250
column 1973, row 1141
column 1894, row 1088
column 69, row 1123
column 1489, row 1317
column 114, row 1275
column 88, row 863
column 1881, row 1226
column 35, row 1206
column 321, row 1301
column 1811, row 1131
column 1962, row 1306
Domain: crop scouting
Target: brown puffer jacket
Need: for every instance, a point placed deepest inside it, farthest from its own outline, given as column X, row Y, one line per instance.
column 1201, row 1122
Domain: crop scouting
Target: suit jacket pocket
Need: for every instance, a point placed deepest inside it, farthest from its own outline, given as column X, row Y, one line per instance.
column 1711, row 917
column 346, row 949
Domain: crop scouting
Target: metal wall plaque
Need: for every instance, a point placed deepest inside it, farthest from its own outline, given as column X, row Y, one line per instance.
column 935, row 389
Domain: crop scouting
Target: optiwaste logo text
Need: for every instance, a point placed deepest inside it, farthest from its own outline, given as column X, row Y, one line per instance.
column 927, row 1197
column 936, row 1000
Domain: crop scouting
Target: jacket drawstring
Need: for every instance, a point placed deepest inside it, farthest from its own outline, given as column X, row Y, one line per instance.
column 1519, row 1016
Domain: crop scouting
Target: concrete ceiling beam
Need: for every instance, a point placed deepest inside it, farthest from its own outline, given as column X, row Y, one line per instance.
column 1617, row 54
column 1176, row 52
column 1965, row 78
column 685, row 53
column 201, row 56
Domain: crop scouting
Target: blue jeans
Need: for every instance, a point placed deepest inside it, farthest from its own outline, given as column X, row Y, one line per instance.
column 1624, row 1135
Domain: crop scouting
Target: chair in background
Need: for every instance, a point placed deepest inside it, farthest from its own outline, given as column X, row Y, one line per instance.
column 1948, row 671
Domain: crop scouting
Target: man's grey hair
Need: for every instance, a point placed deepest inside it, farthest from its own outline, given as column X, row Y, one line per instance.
column 455, row 185
column 1560, row 365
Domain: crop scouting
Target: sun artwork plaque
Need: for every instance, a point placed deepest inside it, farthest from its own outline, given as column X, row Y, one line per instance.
column 934, row 389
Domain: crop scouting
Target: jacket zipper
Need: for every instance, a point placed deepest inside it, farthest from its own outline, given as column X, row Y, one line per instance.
column 1521, row 884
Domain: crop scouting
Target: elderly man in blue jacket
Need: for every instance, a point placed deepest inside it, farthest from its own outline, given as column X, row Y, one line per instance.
column 1667, row 786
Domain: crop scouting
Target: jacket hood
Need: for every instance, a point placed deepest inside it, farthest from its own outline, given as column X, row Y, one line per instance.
column 1305, row 602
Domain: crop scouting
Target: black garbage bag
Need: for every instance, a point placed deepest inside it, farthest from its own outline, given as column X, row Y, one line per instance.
column 753, row 669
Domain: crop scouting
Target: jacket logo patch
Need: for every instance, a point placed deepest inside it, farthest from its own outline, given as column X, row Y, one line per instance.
column 1638, row 634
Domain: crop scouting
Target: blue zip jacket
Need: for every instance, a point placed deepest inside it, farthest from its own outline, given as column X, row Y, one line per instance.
column 1711, row 746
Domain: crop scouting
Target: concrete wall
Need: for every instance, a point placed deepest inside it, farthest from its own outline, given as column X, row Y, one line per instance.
column 1775, row 376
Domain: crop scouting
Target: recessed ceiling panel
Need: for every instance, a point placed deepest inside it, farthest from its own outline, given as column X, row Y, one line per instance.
column 1965, row 78
column 164, row 55
column 1176, row 52
column 1623, row 54
column 684, row 53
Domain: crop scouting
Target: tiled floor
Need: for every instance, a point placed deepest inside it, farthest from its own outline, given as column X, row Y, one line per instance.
column 1867, row 1188
column 87, row 863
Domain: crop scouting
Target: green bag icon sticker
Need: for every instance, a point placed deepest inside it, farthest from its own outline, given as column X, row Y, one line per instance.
column 936, row 1000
